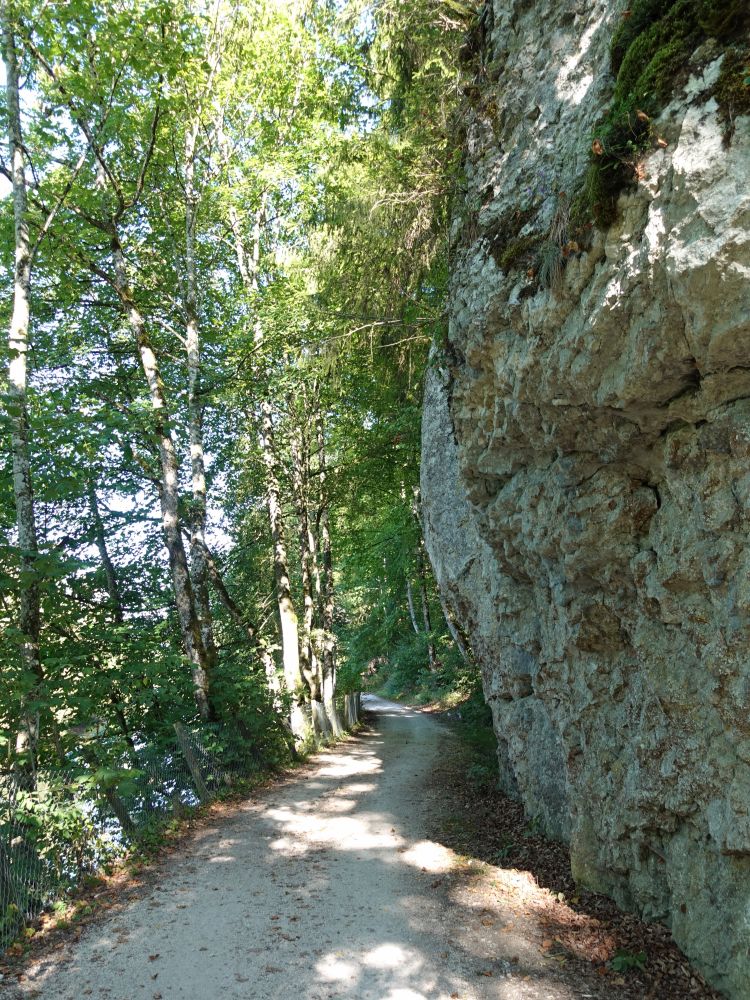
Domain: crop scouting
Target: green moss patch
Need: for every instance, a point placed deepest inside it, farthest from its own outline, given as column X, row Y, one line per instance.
column 655, row 55
column 518, row 251
column 732, row 90
column 649, row 53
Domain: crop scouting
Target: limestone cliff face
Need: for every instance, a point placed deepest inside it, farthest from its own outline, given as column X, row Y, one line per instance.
column 586, row 476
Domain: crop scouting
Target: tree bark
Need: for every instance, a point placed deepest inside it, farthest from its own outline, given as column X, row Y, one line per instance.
column 454, row 630
column 245, row 626
column 113, row 587
column 410, row 602
column 169, row 491
column 249, row 268
column 199, row 568
column 308, row 659
column 422, row 576
column 29, row 616
column 186, row 747
column 287, row 613
column 115, row 600
column 327, row 597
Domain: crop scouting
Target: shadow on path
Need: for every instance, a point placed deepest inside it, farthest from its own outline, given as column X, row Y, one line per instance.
column 325, row 886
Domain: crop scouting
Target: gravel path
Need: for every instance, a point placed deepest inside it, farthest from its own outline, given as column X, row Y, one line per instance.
column 324, row 886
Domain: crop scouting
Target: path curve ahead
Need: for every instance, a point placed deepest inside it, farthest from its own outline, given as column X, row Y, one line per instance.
column 323, row 887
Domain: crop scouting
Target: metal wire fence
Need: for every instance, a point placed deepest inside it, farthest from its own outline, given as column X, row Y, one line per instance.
column 68, row 823
column 71, row 822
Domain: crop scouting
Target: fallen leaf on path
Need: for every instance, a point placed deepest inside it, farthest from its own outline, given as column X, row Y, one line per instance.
column 153, row 958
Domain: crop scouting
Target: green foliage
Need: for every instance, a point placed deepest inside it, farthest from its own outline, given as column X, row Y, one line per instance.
column 642, row 15
column 623, row 136
column 550, row 263
column 656, row 53
column 624, row 961
column 335, row 181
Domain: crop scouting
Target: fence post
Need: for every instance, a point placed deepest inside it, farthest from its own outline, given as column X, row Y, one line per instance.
column 191, row 760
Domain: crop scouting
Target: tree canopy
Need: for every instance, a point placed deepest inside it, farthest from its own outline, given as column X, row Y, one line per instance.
column 223, row 255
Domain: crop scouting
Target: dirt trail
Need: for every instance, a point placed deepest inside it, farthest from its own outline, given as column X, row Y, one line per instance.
column 324, row 886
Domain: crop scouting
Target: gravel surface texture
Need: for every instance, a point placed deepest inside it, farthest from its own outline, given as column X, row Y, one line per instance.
column 324, row 886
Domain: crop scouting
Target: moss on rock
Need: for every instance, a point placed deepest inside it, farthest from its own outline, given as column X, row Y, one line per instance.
column 732, row 90
column 649, row 51
column 517, row 251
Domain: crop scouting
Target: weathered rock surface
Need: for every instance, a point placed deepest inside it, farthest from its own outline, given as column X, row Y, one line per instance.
column 586, row 480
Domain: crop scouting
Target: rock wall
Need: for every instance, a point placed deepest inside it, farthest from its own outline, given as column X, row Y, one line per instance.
column 586, row 475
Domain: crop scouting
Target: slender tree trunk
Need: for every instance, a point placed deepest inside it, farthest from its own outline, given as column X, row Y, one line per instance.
column 169, row 492
column 308, row 659
column 426, row 617
column 327, row 597
column 454, row 630
column 115, row 600
column 287, row 613
column 113, row 587
column 249, row 268
column 410, row 602
column 422, row 576
column 245, row 626
column 29, row 616
column 199, row 569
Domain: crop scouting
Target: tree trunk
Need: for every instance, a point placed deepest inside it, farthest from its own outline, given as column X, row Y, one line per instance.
column 287, row 613
column 426, row 617
column 29, row 617
column 191, row 759
column 169, row 492
column 410, row 602
column 422, row 575
column 248, row 269
column 113, row 588
column 115, row 600
column 199, row 569
column 245, row 626
column 454, row 630
column 326, row 585
column 308, row 660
